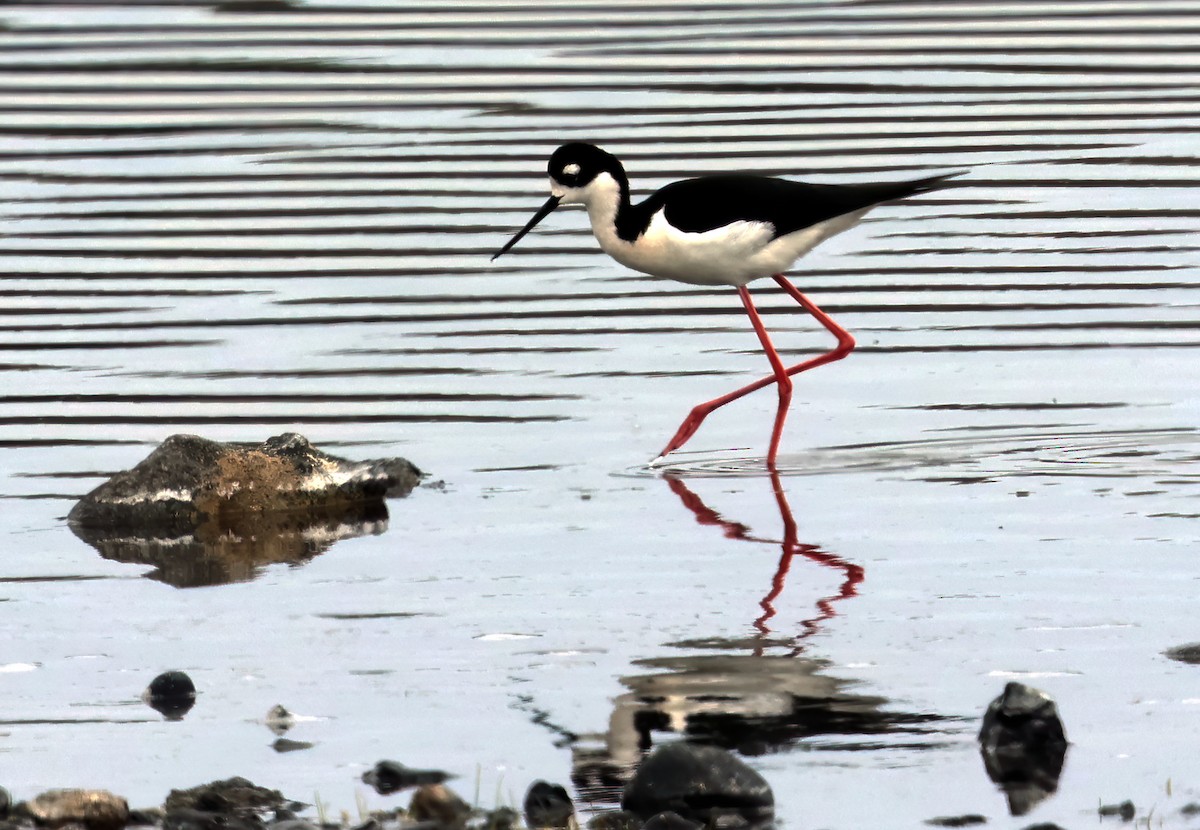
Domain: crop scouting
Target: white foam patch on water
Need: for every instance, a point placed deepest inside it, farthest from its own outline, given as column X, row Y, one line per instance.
column 1027, row 675
column 501, row 636
column 1091, row 627
column 17, row 668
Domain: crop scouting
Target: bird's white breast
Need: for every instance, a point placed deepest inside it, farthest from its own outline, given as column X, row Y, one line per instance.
column 733, row 254
column 716, row 257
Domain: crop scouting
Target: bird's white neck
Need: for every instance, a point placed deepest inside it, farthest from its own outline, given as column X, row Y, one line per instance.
column 603, row 198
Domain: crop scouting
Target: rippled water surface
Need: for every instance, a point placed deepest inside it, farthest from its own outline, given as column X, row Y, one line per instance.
column 244, row 219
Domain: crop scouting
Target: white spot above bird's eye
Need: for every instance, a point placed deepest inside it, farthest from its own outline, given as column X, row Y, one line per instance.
column 570, row 169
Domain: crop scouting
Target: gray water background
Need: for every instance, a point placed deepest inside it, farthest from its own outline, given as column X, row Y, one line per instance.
column 237, row 222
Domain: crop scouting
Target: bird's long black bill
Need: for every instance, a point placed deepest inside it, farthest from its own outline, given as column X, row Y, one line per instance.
column 542, row 213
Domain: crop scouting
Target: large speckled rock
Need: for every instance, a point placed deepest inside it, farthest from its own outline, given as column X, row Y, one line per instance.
column 207, row 513
column 97, row 809
column 189, row 479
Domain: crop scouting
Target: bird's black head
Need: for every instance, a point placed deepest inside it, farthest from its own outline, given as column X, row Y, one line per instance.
column 577, row 164
column 576, row 177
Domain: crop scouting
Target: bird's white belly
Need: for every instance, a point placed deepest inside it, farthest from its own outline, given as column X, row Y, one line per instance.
column 731, row 255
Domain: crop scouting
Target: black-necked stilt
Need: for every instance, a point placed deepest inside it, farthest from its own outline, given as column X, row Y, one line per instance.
column 718, row 230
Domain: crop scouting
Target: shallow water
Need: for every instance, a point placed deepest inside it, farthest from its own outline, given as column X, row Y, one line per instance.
column 241, row 223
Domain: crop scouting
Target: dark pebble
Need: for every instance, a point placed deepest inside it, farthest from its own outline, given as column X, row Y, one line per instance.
column 968, row 820
column 5, row 802
column 1125, row 810
column 547, row 805
column 698, row 782
column 1022, row 715
column 502, row 818
column 671, row 821
column 615, row 820
column 1047, row 825
column 172, row 694
column 389, row 777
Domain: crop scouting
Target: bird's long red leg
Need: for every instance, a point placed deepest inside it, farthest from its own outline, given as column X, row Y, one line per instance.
column 782, row 381
column 701, row 411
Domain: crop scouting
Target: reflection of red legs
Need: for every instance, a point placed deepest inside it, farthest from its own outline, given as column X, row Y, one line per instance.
column 780, row 373
column 790, row 547
column 704, row 514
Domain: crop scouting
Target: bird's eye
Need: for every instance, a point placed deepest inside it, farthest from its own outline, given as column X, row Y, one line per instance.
column 570, row 169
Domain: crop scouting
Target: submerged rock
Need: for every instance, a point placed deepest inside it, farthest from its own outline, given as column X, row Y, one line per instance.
column 1023, row 745
column 388, row 777
column 172, row 694
column 700, row 783
column 206, row 512
column 95, row 809
column 547, row 805
column 1189, row 653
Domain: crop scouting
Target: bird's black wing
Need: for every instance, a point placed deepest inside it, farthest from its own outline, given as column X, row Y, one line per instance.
column 699, row 205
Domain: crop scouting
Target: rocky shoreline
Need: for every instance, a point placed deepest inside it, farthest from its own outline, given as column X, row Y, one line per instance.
column 679, row 786
column 676, row 786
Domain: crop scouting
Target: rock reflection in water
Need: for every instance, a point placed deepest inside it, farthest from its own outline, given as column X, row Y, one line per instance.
column 1023, row 746
column 217, row 553
column 751, row 703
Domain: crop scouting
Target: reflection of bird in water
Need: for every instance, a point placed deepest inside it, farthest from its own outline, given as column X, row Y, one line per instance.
column 718, row 230
column 789, row 546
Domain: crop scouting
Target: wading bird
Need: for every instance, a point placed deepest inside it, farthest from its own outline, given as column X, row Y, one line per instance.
column 718, row 230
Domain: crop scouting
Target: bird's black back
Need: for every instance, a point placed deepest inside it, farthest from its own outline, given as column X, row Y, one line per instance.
column 704, row 204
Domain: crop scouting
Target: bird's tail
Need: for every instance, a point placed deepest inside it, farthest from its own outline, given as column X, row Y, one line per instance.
column 931, row 183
